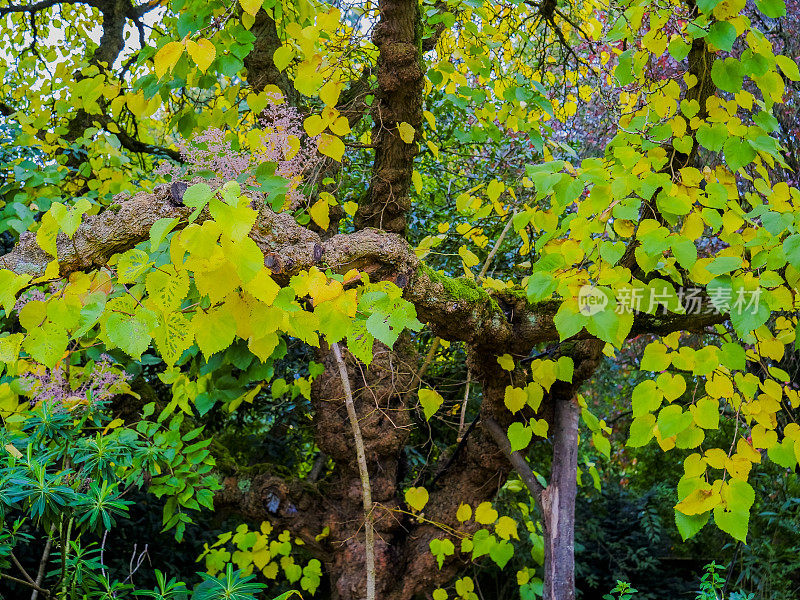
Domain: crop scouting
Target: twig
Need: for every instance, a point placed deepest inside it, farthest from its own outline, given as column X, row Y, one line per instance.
column 35, row 587
column 429, row 358
column 461, row 424
column 21, row 568
column 497, row 245
column 366, row 489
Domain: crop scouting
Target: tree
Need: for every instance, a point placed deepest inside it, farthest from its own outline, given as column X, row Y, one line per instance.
column 272, row 242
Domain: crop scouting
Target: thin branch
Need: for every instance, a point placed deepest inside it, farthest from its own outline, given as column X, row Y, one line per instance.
column 37, row 587
column 27, row 583
column 366, row 489
column 515, row 458
column 461, row 424
column 429, row 358
column 497, row 245
column 32, row 8
column 21, row 568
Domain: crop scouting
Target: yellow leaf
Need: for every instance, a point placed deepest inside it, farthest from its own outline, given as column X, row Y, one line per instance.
column 485, row 514
column 340, row 126
column 469, row 257
column 166, row 58
column 294, row 147
column 282, row 57
column 11, row 449
column 251, row 7
column 329, row 93
column 416, row 179
column 320, row 213
column 506, row 527
column 406, row 132
column 699, row 501
column 464, row 512
column 332, row 146
column 417, row 497
column 262, row 287
column 202, row 52
column 314, row 125
column 494, row 189
column 515, row 398
column 506, row 362
column 430, row 119
column 112, row 425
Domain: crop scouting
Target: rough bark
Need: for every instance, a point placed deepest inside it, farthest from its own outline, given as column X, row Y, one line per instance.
column 456, row 309
column 261, row 69
column 398, row 100
column 558, row 504
column 381, row 396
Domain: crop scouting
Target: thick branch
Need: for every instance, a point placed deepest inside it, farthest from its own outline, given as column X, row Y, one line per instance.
column 32, row 8
column 397, row 101
column 456, row 309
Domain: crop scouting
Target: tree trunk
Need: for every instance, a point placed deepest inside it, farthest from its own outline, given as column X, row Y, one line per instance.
column 558, row 504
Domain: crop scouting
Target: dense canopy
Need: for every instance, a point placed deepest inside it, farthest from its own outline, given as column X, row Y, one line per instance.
column 399, row 300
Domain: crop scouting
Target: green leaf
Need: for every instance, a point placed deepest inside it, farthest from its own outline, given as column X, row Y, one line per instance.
column 46, row 344
column 738, row 153
column 685, row 252
column 159, row 230
column 519, row 435
column 788, row 66
column 732, row 355
column 772, row 8
column 713, row 136
column 748, row 310
column 132, row 264
column 722, row 34
column 707, row 5
column 783, row 454
column 214, row 330
column 602, row 444
column 568, row 322
column 672, row 420
column 431, row 401
column 441, row 548
column 605, row 325
column 689, row 525
column 738, row 495
column 646, row 398
column 679, row 49
column 541, row 285
column 641, row 430
column 624, row 70
column 131, row 333
column 734, row 524
column 501, row 553
column 791, row 248
column 196, row 197
column 724, row 264
column 728, row 74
